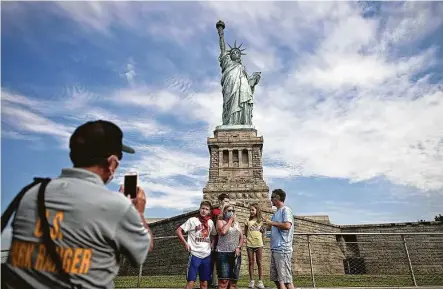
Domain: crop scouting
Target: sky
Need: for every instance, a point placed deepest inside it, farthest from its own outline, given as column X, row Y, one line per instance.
column 350, row 101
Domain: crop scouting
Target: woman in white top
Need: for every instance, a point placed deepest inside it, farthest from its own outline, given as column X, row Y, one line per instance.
column 229, row 245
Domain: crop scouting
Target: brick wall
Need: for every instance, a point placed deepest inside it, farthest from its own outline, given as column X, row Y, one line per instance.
column 386, row 253
column 169, row 256
column 327, row 258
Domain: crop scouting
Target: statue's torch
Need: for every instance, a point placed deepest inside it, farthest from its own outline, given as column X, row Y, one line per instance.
column 220, row 27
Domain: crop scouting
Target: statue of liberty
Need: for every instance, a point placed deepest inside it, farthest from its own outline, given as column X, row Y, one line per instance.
column 237, row 85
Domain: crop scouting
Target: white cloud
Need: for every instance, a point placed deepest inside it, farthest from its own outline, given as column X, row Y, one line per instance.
column 165, row 162
column 172, row 197
column 27, row 121
column 18, row 136
column 144, row 97
column 159, row 167
column 341, row 96
column 28, row 115
column 130, row 74
column 337, row 71
column 276, row 172
column 95, row 15
column 409, row 22
column 339, row 213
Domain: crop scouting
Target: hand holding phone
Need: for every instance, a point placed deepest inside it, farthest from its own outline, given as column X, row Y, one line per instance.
column 130, row 185
column 131, row 190
column 140, row 201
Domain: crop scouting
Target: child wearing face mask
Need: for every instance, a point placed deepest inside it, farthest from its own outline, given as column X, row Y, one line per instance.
column 223, row 199
column 229, row 246
column 254, row 231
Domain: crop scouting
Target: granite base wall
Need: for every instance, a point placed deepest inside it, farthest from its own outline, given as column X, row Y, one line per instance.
column 386, row 254
column 169, row 256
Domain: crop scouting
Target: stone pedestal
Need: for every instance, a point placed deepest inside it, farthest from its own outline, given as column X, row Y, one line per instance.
column 236, row 166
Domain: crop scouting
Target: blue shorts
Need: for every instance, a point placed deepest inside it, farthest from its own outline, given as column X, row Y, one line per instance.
column 199, row 266
column 228, row 266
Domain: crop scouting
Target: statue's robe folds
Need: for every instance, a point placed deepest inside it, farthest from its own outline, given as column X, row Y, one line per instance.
column 237, row 93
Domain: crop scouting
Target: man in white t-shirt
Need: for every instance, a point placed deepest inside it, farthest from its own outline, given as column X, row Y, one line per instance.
column 200, row 230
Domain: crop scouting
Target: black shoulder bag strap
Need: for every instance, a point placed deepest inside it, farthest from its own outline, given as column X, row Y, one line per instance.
column 13, row 206
column 49, row 243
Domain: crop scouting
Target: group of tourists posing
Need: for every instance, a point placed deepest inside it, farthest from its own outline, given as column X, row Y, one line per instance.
column 70, row 231
column 215, row 239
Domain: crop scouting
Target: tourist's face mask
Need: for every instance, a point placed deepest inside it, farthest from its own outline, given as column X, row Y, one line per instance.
column 229, row 213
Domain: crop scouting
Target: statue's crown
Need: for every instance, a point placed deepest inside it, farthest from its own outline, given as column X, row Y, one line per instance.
column 236, row 48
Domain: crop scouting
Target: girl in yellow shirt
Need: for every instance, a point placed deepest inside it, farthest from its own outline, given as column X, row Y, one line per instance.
column 254, row 231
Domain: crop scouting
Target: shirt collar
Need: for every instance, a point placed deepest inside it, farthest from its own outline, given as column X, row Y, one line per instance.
column 82, row 174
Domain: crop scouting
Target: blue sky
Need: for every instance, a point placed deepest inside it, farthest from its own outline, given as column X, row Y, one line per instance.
column 350, row 102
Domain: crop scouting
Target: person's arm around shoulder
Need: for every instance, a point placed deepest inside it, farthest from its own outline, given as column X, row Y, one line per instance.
column 133, row 235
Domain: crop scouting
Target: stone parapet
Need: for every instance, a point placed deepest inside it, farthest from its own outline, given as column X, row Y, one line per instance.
column 378, row 254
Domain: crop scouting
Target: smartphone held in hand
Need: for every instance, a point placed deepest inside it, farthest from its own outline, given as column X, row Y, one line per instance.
column 130, row 185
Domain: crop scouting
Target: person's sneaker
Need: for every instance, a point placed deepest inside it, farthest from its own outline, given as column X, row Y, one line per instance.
column 251, row 284
column 260, row 284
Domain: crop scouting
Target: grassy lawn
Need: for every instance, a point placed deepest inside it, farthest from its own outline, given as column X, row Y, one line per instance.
column 175, row 281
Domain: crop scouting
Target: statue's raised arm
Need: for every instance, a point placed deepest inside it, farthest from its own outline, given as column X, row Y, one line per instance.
column 237, row 86
column 220, row 27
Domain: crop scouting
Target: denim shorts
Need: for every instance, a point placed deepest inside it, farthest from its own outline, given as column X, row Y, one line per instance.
column 253, row 249
column 228, row 266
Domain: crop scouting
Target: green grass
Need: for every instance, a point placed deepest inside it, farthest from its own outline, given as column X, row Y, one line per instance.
column 175, row 281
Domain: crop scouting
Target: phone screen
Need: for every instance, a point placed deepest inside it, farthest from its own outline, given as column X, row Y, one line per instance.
column 131, row 186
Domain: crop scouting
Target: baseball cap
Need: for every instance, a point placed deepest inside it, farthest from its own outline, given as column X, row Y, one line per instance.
column 97, row 140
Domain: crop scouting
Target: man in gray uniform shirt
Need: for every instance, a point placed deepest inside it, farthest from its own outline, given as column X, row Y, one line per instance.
column 90, row 225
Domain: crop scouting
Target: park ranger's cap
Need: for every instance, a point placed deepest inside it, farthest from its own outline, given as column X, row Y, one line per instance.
column 98, row 140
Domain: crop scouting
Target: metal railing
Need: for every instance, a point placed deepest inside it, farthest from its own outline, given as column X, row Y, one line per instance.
column 318, row 260
column 373, row 259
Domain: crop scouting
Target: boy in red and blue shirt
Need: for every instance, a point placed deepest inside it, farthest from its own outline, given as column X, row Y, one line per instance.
column 201, row 230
